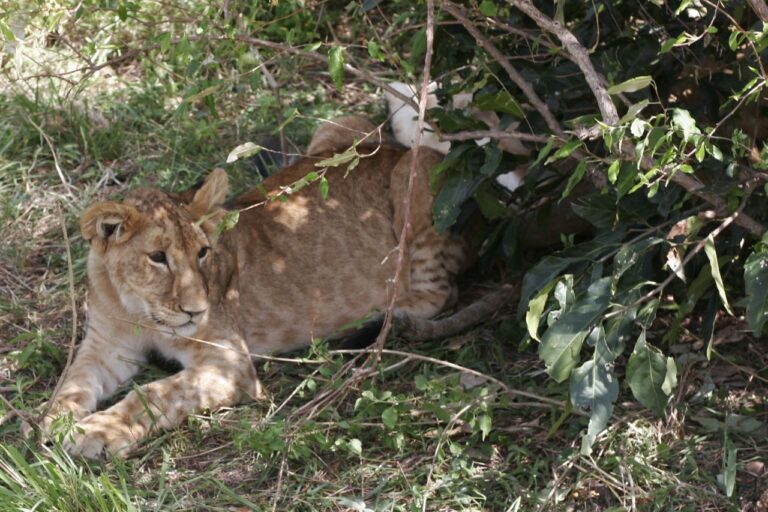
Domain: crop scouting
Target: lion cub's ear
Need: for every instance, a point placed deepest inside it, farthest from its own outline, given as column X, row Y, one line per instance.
column 109, row 221
column 211, row 195
column 206, row 204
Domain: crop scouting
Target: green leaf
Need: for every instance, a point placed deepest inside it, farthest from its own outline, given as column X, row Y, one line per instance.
column 488, row 8
column 561, row 344
column 536, row 309
column 633, row 111
column 485, row 423
column 670, row 379
column 374, row 50
column 338, row 158
column 576, row 177
column 336, row 66
column 671, row 43
column 594, row 387
column 709, row 249
column 701, row 152
column 756, row 286
column 452, row 160
column 456, row 190
column 736, row 39
column 543, row 153
column 613, row 171
column 729, row 467
column 631, row 85
column 389, row 417
column 418, row 47
column 647, row 374
column 164, row 39
column 6, row 32
column 568, row 148
column 599, row 209
column 493, row 157
column 637, row 127
column 684, row 123
column 288, row 118
column 243, row 151
column 201, row 94
column 228, row 222
column 551, row 266
column 490, row 205
column 502, row 101
column 451, row 121
column 628, row 256
column 323, row 185
column 122, row 11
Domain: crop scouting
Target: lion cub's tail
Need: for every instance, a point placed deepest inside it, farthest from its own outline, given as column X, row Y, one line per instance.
column 413, row 328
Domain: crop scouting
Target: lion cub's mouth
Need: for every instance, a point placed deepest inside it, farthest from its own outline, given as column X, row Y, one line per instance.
column 187, row 328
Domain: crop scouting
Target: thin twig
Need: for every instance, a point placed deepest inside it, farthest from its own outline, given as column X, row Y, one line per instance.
column 73, row 307
column 62, row 176
column 430, row 36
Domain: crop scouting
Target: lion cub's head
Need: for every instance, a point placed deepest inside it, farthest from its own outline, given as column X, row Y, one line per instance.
column 154, row 251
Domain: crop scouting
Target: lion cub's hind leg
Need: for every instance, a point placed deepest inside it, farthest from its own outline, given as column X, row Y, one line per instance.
column 430, row 288
column 433, row 260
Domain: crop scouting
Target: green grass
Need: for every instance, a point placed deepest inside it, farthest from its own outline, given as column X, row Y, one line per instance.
column 418, row 433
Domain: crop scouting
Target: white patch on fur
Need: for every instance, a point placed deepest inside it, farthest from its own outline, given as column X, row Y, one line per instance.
column 405, row 118
column 511, row 180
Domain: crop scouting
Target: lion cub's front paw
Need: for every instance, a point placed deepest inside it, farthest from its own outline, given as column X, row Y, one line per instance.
column 100, row 434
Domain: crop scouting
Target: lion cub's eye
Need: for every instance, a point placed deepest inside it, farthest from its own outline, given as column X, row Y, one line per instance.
column 158, row 257
column 203, row 252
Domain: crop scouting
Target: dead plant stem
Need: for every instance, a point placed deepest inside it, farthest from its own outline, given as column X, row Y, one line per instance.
column 73, row 307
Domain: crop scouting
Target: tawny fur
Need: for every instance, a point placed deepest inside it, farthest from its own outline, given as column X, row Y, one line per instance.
column 288, row 272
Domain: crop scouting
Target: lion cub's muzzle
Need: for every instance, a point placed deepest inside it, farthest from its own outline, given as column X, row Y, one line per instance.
column 184, row 320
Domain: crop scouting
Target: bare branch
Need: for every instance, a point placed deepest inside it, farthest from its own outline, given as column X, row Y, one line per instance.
column 760, row 9
column 516, row 77
column 495, row 134
column 577, row 53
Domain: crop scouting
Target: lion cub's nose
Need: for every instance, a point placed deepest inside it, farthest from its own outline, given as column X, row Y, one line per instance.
column 194, row 312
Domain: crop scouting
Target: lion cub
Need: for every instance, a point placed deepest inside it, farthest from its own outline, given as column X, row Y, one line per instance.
column 161, row 279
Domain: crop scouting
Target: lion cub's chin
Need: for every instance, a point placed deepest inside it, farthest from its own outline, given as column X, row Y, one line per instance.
column 188, row 330
column 185, row 330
